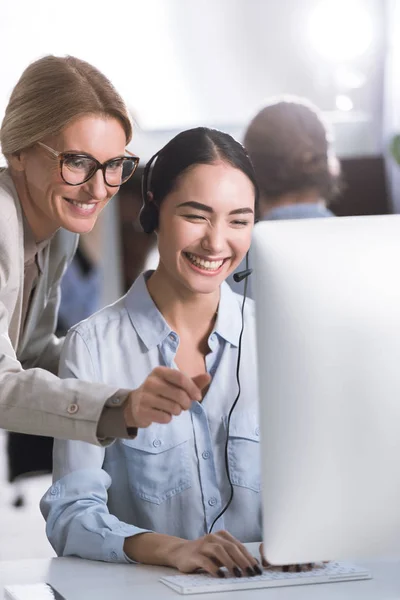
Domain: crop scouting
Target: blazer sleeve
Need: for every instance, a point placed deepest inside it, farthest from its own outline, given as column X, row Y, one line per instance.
column 35, row 400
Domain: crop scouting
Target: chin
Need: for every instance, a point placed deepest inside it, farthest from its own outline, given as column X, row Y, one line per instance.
column 203, row 287
column 79, row 226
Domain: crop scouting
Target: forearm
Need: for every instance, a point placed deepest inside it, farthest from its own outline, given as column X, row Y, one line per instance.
column 153, row 548
column 78, row 522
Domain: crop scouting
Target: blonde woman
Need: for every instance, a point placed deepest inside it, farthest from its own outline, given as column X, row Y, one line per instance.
column 64, row 136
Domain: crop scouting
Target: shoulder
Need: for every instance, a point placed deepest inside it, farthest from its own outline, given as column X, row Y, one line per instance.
column 10, row 227
column 10, row 209
column 108, row 319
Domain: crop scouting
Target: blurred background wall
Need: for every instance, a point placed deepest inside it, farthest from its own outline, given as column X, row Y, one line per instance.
column 183, row 63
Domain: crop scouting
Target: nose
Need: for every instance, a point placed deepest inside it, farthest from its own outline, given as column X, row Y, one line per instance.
column 214, row 239
column 96, row 187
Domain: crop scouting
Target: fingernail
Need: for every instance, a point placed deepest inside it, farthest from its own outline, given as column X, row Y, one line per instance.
column 220, row 573
column 237, row 571
column 257, row 569
column 250, row 572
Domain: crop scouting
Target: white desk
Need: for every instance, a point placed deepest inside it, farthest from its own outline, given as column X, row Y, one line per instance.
column 79, row 579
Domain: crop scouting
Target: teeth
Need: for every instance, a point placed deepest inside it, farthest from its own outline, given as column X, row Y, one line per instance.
column 83, row 205
column 211, row 265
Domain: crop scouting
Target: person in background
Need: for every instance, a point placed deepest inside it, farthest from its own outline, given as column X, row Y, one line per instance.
column 81, row 285
column 296, row 169
column 154, row 499
column 64, row 137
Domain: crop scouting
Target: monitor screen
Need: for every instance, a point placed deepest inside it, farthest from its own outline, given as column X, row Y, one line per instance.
column 327, row 296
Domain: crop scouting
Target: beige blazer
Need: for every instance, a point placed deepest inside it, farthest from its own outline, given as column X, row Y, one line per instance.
column 33, row 399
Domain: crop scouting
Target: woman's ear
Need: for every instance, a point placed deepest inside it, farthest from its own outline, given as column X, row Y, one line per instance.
column 16, row 161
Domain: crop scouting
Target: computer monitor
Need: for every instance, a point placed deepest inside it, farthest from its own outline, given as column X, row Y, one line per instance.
column 327, row 296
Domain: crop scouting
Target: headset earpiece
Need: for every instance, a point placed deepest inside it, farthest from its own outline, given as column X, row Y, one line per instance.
column 148, row 216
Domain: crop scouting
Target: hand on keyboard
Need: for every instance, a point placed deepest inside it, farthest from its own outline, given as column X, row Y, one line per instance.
column 212, row 552
column 286, row 568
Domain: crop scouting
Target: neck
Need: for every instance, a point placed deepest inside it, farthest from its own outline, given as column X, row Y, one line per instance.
column 305, row 197
column 42, row 227
column 185, row 311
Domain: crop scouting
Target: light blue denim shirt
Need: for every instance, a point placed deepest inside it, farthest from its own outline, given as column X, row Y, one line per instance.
column 170, row 479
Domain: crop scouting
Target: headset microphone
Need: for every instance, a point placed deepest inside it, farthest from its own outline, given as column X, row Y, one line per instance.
column 238, row 277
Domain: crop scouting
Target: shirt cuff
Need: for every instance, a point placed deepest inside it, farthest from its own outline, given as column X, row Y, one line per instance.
column 112, row 423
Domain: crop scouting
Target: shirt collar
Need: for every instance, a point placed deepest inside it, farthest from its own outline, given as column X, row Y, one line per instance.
column 145, row 317
column 302, row 210
column 153, row 329
column 229, row 319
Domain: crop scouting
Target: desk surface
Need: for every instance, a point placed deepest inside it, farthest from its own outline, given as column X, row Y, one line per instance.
column 77, row 579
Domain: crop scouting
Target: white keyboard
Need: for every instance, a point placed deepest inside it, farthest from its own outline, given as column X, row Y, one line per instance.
column 272, row 577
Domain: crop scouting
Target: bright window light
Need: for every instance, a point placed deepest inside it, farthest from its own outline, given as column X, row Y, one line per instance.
column 341, row 29
column 344, row 103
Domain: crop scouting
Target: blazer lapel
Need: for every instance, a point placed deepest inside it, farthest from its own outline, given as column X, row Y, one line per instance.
column 38, row 300
column 15, row 321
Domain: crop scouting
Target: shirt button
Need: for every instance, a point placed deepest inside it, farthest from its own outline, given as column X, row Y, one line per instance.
column 172, row 336
column 54, row 491
column 156, row 443
column 72, row 409
column 206, row 454
column 197, row 408
column 212, row 501
column 116, row 400
column 257, row 431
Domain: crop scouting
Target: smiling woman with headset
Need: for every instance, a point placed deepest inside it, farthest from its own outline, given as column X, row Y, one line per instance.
column 184, row 494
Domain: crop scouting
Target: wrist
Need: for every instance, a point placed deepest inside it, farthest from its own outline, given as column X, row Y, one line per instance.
column 153, row 548
column 128, row 416
column 171, row 550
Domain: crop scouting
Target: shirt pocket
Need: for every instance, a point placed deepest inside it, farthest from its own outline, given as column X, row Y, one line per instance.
column 244, row 451
column 158, row 462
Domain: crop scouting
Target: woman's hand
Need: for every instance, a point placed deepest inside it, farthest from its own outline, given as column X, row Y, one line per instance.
column 164, row 393
column 211, row 552
column 285, row 568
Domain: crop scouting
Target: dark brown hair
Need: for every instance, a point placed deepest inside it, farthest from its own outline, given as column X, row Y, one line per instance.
column 200, row 145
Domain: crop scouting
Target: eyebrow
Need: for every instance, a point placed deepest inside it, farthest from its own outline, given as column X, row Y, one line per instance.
column 209, row 209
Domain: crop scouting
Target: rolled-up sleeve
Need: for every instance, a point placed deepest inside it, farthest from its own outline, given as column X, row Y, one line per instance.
column 78, row 522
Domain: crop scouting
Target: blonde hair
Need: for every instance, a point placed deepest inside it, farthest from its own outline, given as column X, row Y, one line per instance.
column 50, row 93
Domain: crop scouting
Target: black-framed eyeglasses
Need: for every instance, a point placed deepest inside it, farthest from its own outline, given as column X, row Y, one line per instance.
column 77, row 168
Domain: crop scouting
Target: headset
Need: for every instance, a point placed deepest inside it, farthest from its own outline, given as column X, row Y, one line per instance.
column 238, row 277
column 148, row 218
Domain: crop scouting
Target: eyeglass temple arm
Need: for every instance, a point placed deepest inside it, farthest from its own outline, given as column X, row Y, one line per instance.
column 53, row 152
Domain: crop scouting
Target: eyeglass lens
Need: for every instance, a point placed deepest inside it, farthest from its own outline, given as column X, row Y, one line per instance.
column 77, row 169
